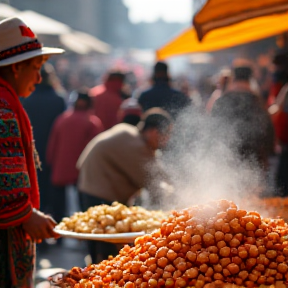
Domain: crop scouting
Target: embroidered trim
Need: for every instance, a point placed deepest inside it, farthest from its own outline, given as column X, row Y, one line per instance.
column 9, row 128
column 11, row 149
column 10, row 181
column 19, row 215
column 12, row 164
column 20, row 49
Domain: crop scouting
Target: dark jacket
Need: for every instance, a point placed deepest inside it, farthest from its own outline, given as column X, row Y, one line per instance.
column 42, row 107
column 163, row 96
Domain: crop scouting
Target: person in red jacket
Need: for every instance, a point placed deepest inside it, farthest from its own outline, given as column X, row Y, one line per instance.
column 71, row 132
column 107, row 99
column 21, row 223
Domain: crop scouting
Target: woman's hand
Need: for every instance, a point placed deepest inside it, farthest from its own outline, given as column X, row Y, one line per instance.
column 40, row 226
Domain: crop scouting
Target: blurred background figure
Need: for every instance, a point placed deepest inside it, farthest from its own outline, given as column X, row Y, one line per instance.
column 107, row 98
column 246, row 127
column 71, row 132
column 223, row 79
column 44, row 105
column 243, row 78
column 263, row 74
column 116, row 164
column 129, row 112
column 161, row 94
column 205, row 88
column 278, row 108
column 279, row 76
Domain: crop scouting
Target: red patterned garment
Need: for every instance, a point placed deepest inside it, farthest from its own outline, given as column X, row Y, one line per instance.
column 18, row 191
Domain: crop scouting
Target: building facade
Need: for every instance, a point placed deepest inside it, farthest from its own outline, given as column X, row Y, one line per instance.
column 105, row 19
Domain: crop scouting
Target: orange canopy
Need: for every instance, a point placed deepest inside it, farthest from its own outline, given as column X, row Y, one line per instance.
column 226, row 37
column 220, row 13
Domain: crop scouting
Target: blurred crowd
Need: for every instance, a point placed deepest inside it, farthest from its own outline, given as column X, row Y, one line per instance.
column 73, row 117
column 115, row 136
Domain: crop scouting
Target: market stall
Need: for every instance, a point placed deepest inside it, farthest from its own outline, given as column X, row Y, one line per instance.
column 221, row 13
column 208, row 245
column 240, row 33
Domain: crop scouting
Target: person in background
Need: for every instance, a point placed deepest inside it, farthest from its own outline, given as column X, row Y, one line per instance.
column 223, row 80
column 278, row 109
column 43, row 107
column 279, row 76
column 246, row 126
column 131, row 119
column 116, row 164
column 162, row 95
column 107, row 99
column 129, row 111
column 265, row 82
column 242, row 78
column 22, row 225
column 71, row 132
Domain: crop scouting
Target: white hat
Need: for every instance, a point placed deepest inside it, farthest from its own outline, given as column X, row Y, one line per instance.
column 19, row 43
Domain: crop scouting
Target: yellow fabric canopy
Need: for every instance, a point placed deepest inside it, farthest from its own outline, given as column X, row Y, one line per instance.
column 220, row 13
column 225, row 37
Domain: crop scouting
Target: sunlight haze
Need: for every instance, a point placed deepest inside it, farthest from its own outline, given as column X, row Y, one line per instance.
column 153, row 10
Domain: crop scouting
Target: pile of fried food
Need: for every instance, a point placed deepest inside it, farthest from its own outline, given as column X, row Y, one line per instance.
column 272, row 206
column 213, row 244
column 116, row 218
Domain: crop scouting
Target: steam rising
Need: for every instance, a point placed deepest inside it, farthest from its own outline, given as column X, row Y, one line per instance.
column 204, row 165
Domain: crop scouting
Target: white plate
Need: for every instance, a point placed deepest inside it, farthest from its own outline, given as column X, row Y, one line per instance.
column 113, row 238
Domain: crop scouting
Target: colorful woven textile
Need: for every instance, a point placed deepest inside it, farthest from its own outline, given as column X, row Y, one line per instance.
column 18, row 191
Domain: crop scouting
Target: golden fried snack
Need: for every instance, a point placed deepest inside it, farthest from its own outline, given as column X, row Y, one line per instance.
column 116, row 218
column 212, row 245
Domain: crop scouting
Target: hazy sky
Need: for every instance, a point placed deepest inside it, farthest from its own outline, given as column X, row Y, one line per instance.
column 152, row 10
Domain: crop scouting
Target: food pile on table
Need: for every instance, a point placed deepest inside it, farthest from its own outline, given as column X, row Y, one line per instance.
column 214, row 243
column 116, row 218
column 273, row 206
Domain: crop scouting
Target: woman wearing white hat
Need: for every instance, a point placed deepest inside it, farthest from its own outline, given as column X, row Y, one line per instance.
column 21, row 224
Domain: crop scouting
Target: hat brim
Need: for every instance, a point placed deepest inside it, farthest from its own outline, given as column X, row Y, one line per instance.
column 28, row 55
